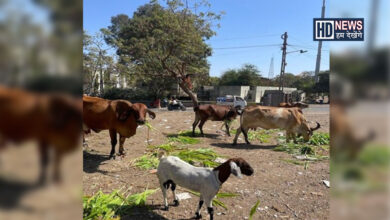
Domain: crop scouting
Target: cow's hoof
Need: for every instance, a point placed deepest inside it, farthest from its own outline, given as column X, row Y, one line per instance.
column 176, row 202
column 166, row 208
column 112, row 156
column 198, row 216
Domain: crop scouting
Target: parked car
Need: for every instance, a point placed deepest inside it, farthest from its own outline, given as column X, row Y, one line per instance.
column 235, row 101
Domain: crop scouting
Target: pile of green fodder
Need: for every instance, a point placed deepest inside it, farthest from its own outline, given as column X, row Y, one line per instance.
column 112, row 205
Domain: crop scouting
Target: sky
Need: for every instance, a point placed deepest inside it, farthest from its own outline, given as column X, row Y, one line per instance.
column 257, row 25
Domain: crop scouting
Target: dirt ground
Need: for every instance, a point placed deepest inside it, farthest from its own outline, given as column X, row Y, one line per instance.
column 285, row 190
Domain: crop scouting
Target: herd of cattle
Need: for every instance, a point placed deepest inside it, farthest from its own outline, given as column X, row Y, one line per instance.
column 54, row 121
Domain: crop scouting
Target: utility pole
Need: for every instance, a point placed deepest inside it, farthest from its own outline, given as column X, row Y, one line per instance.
column 283, row 66
column 318, row 61
column 373, row 25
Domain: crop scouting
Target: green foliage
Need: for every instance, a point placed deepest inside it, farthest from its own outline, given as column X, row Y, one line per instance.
column 107, row 206
column 167, row 42
column 247, row 75
column 260, row 135
column 307, row 150
column 183, row 137
column 203, row 156
column 253, row 209
column 165, row 147
column 216, row 201
column 184, row 140
column 147, row 161
column 127, row 94
column 375, row 155
column 319, row 138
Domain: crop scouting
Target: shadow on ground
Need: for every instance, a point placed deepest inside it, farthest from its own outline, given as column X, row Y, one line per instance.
column 12, row 191
column 91, row 162
column 243, row 146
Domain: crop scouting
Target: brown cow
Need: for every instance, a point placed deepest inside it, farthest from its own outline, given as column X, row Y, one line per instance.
column 117, row 116
column 213, row 113
column 53, row 120
column 266, row 117
column 294, row 104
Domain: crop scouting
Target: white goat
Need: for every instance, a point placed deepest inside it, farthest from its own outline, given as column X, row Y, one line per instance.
column 206, row 181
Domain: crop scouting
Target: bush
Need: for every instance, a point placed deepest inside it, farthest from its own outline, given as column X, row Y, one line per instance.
column 127, row 94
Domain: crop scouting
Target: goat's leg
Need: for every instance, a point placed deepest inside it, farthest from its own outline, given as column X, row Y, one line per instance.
column 121, row 143
column 197, row 213
column 201, row 126
column 210, row 209
column 195, row 124
column 227, row 128
column 238, row 132
column 44, row 157
column 245, row 132
column 164, row 192
column 175, row 198
column 113, row 143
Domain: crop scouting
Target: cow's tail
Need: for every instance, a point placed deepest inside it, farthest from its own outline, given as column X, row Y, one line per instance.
column 196, row 108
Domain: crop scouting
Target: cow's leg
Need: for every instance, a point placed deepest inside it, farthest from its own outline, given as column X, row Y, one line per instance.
column 288, row 135
column 121, row 143
column 44, row 161
column 238, row 132
column 113, row 143
column 227, row 128
column 197, row 119
column 245, row 132
column 201, row 126
column 58, row 155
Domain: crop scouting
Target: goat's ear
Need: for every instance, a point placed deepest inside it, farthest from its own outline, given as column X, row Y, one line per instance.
column 236, row 171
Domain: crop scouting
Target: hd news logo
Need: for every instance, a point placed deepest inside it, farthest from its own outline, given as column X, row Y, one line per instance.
column 338, row 29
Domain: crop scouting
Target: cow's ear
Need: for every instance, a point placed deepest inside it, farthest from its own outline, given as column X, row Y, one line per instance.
column 236, row 171
column 122, row 110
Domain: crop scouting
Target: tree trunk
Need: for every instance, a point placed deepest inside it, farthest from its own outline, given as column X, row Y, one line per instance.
column 190, row 93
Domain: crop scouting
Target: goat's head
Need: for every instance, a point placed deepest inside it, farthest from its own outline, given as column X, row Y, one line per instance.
column 236, row 166
column 239, row 166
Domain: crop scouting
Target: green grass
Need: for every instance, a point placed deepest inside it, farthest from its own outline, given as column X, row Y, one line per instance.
column 216, row 201
column 147, row 161
column 296, row 162
column 184, row 137
column 253, row 210
column 108, row 206
column 374, row 156
column 200, row 157
column 204, row 156
column 261, row 135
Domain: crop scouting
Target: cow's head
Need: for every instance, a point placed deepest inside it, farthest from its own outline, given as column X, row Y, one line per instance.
column 232, row 113
column 140, row 111
column 306, row 131
column 126, row 111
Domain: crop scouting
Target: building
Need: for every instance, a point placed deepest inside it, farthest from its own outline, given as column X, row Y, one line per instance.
column 256, row 94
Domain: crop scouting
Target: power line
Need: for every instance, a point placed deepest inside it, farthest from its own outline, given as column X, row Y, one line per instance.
column 249, row 37
column 249, row 46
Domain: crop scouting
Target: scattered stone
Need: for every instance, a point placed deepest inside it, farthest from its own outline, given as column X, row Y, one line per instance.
column 305, row 157
column 300, row 173
column 183, row 196
column 168, row 127
column 277, row 208
column 317, row 193
column 165, row 120
column 153, row 171
column 327, row 183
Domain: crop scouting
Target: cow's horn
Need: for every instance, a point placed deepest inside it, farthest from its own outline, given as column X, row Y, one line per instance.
column 317, row 127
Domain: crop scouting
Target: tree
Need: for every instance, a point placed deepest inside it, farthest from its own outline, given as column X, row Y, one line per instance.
column 165, row 42
column 247, row 75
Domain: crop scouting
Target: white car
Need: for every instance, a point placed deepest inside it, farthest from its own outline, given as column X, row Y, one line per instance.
column 235, row 101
